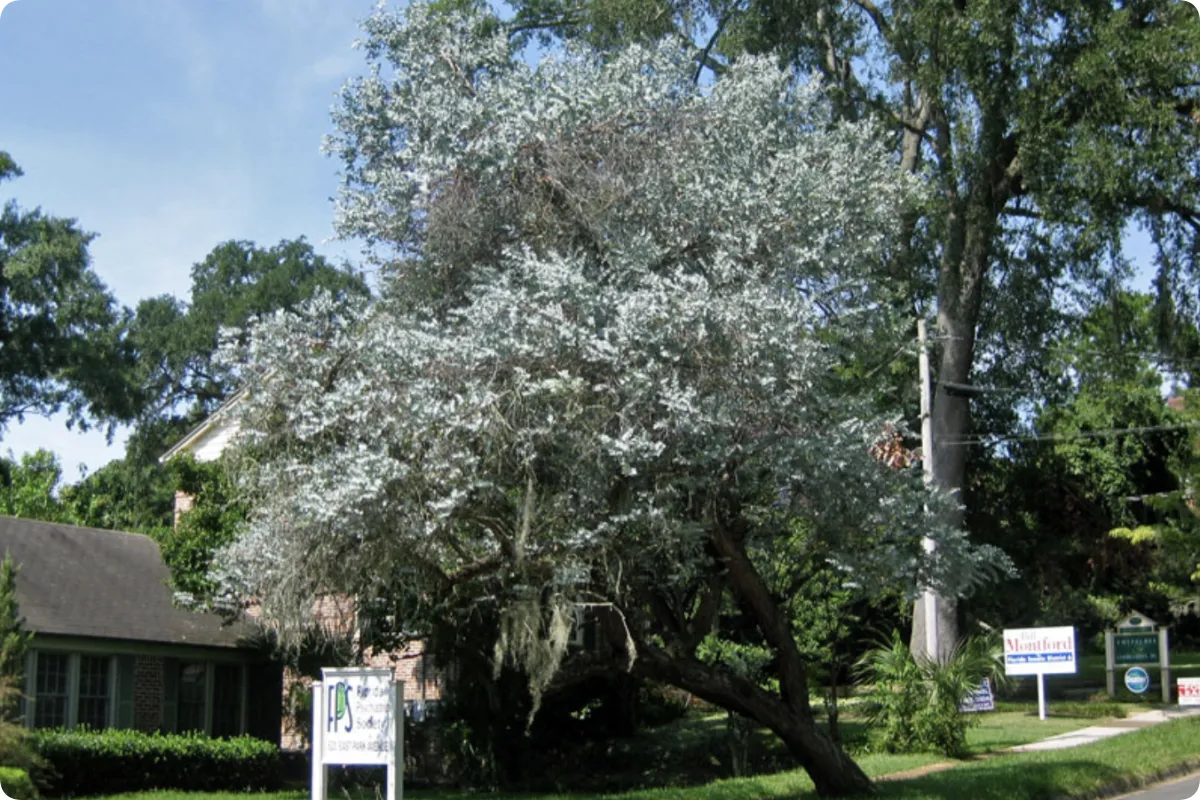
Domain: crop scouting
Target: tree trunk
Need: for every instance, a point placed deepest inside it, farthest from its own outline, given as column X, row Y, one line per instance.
column 972, row 228
column 832, row 771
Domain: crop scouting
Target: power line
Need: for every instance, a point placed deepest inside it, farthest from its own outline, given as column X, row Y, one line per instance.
column 1067, row 437
column 1075, row 349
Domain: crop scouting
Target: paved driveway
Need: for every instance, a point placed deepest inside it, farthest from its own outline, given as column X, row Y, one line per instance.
column 1186, row 789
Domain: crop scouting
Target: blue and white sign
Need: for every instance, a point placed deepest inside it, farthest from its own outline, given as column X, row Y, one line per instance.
column 1040, row 651
column 1137, row 680
column 981, row 699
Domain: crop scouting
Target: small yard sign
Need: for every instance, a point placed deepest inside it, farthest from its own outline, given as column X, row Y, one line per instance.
column 1137, row 680
column 981, row 699
column 1189, row 691
column 1138, row 640
column 358, row 718
column 1040, row 652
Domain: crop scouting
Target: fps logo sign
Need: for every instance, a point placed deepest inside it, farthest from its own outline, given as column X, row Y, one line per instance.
column 355, row 713
column 339, row 705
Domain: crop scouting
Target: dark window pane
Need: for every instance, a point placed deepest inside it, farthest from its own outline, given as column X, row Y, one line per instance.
column 50, row 691
column 227, row 700
column 191, row 697
column 93, row 692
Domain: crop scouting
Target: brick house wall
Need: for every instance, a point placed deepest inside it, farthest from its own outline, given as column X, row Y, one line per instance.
column 147, row 693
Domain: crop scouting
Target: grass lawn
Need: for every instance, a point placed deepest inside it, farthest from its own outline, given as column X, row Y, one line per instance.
column 701, row 734
column 1114, row 764
column 1120, row 763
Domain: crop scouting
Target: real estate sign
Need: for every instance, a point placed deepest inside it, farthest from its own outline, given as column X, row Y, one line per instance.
column 1040, row 651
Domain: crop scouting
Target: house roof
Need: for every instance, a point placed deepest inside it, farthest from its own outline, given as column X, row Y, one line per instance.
column 196, row 435
column 77, row 581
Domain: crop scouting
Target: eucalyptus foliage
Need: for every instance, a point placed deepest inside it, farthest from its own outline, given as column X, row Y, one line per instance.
column 603, row 369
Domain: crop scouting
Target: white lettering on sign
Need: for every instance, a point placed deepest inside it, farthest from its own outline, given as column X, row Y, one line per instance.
column 1040, row 651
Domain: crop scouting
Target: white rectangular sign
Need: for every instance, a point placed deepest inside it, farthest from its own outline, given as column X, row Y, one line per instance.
column 1189, row 691
column 1040, row 651
column 359, row 710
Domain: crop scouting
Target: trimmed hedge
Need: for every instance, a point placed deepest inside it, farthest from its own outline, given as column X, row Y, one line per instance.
column 16, row 783
column 113, row 761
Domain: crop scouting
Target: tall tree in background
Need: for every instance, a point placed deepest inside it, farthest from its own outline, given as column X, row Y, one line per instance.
column 29, row 488
column 175, row 342
column 1108, row 454
column 1046, row 129
column 62, row 336
column 600, row 373
column 234, row 283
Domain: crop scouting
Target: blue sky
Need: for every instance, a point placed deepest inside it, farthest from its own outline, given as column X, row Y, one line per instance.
column 168, row 126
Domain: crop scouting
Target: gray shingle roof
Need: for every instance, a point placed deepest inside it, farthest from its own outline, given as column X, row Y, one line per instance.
column 87, row 582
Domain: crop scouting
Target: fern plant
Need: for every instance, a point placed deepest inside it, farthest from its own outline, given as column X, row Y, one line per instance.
column 914, row 702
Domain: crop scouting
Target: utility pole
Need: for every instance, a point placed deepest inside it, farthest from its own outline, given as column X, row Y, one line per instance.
column 929, row 598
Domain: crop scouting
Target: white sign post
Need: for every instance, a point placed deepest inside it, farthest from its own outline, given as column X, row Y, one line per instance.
column 1040, row 652
column 358, row 718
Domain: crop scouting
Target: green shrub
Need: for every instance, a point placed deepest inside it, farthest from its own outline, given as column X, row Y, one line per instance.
column 114, row 761
column 16, row 783
column 915, row 703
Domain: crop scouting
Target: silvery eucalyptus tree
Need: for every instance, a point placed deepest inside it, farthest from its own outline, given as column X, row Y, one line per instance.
column 602, row 372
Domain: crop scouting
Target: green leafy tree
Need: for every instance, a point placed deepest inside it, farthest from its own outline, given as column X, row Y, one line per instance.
column 601, row 371
column 1045, row 130
column 175, row 342
column 1104, row 455
column 235, row 283
column 31, row 487
column 62, row 342
column 14, row 639
column 210, row 524
column 14, row 644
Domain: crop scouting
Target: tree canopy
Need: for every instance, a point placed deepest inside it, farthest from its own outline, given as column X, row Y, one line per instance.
column 1046, row 130
column 602, row 370
column 62, row 336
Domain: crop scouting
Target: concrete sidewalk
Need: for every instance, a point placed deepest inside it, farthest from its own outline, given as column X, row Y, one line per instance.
column 1107, row 730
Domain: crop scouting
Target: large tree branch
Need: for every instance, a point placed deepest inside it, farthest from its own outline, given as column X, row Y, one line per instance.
column 753, row 590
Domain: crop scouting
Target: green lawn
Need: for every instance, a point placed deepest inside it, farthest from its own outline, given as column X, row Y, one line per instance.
column 1116, row 764
column 700, row 737
column 1123, row 762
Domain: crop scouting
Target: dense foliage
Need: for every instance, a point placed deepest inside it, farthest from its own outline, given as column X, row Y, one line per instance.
column 913, row 702
column 61, row 333
column 15, row 749
column 1048, row 131
column 117, row 761
column 17, row 784
column 603, row 369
